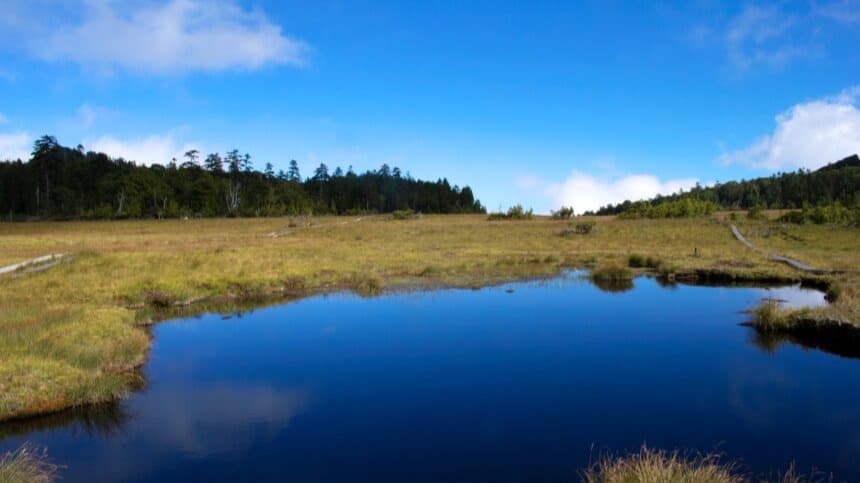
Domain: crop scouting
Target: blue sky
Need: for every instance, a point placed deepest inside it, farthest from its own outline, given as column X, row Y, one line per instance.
column 539, row 103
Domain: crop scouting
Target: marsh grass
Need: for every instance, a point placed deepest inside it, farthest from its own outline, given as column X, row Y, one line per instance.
column 611, row 273
column 27, row 464
column 642, row 261
column 660, row 466
column 72, row 335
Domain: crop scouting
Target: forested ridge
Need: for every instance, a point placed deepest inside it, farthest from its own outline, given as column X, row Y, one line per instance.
column 837, row 182
column 61, row 182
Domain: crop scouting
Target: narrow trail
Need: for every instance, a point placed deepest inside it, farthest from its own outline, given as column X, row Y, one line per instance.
column 37, row 264
column 779, row 258
column 278, row 234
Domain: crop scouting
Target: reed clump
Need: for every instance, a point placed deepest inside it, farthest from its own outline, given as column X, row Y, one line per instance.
column 770, row 317
column 27, row 464
column 613, row 273
column 660, row 466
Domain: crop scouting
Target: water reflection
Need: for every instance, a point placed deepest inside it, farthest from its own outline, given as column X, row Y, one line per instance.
column 513, row 383
column 612, row 285
column 843, row 343
column 98, row 420
column 218, row 418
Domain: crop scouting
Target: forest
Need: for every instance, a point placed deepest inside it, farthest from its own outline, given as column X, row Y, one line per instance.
column 60, row 182
column 837, row 182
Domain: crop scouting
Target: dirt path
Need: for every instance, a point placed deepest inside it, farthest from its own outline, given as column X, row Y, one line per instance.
column 278, row 234
column 779, row 258
column 36, row 264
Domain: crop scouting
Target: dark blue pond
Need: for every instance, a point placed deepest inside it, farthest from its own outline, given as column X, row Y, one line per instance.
column 466, row 385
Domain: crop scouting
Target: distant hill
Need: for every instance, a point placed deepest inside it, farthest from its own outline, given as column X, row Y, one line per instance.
column 838, row 181
column 849, row 162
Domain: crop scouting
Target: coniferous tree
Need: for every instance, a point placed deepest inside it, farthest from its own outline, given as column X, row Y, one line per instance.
column 213, row 163
column 294, row 174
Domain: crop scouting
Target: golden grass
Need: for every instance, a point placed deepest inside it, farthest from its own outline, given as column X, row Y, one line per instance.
column 75, row 334
column 659, row 466
column 26, row 465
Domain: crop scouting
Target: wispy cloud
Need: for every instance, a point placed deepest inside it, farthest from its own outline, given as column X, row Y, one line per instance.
column 158, row 37
column 844, row 11
column 3, row 119
column 15, row 145
column 807, row 135
column 761, row 35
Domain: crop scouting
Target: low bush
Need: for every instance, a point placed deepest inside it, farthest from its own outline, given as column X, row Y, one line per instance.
column 682, row 208
column 833, row 214
column 404, row 215
column 564, row 213
column 516, row 212
column 756, row 213
column 578, row 229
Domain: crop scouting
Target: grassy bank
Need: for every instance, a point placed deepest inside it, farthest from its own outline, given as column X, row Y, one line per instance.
column 652, row 466
column 74, row 334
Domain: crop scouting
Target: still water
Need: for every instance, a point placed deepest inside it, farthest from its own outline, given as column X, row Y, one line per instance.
column 522, row 382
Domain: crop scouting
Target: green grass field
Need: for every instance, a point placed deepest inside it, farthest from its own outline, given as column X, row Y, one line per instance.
column 75, row 334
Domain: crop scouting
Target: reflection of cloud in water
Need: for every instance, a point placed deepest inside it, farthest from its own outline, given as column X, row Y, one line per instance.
column 794, row 296
column 221, row 418
column 751, row 392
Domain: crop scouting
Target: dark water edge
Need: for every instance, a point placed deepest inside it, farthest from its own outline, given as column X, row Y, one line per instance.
column 525, row 381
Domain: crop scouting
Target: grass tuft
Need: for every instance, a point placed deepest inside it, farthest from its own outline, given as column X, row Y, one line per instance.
column 770, row 317
column 611, row 273
column 660, row 466
column 28, row 464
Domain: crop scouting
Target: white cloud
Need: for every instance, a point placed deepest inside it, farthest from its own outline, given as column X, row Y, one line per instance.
column 15, row 145
column 808, row 135
column 3, row 119
column 175, row 36
column 587, row 192
column 155, row 149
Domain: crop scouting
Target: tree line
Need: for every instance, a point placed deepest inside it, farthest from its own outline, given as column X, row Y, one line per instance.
column 836, row 182
column 63, row 182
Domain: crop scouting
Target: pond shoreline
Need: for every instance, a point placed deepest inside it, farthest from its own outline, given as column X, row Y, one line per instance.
column 147, row 315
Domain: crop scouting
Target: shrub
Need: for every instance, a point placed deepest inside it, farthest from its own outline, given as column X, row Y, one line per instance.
column 516, row 212
column 404, row 215
column 564, row 213
column 682, row 208
column 834, row 213
column 578, row 229
column 756, row 213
